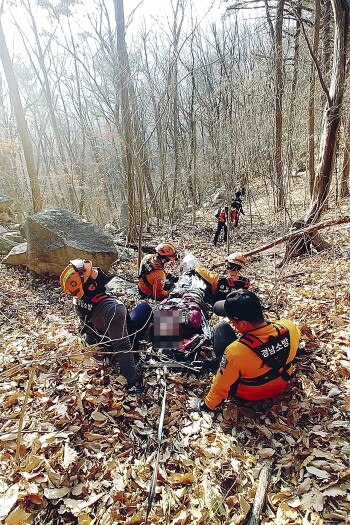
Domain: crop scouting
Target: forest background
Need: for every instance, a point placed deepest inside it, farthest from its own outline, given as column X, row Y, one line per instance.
column 192, row 102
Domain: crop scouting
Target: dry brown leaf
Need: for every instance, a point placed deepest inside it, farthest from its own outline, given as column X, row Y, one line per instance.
column 76, row 506
column 84, row 519
column 180, row 479
column 18, row 517
column 8, row 500
column 181, row 518
column 56, row 493
column 98, row 416
column 334, row 492
column 136, row 519
column 266, row 452
column 323, row 474
column 91, row 436
column 69, row 456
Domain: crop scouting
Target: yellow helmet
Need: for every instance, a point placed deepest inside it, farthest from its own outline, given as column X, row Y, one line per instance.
column 235, row 259
column 168, row 250
column 74, row 276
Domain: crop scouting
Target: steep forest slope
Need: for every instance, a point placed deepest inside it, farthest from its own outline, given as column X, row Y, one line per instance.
column 85, row 452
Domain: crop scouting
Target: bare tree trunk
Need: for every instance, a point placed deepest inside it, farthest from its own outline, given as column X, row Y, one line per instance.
column 124, row 79
column 159, row 131
column 344, row 180
column 326, row 18
column 331, row 116
column 279, row 183
column 293, row 91
column 178, row 12
column 49, row 101
column 193, row 141
column 332, row 113
column 311, row 121
column 21, row 123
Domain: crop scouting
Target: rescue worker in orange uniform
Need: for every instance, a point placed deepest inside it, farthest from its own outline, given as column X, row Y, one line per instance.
column 257, row 364
column 218, row 286
column 222, row 221
column 154, row 282
column 238, row 208
column 106, row 321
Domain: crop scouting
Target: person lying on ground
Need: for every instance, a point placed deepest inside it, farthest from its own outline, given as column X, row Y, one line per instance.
column 105, row 319
column 257, row 364
column 154, row 282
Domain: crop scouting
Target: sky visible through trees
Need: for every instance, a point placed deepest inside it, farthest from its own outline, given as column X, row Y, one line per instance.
column 208, row 98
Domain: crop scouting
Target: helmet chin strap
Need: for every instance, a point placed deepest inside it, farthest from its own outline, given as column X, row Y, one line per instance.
column 95, row 286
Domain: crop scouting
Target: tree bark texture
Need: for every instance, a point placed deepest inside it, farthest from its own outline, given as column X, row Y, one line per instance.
column 311, row 120
column 332, row 113
column 21, row 123
column 124, row 79
column 279, row 183
column 344, row 180
column 260, row 495
column 326, row 18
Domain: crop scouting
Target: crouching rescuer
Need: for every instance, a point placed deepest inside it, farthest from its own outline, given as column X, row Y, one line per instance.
column 105, row 319
column 219, row 286
column 257, row 364
column 154, row 281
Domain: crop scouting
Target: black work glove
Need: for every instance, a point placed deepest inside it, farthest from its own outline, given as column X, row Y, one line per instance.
column 197, row 404
column 171, row 277
column 211, row 364
column 168, row 285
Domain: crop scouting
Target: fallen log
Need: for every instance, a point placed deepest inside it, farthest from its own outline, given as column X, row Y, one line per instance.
column 298, row 233
column 260, row 495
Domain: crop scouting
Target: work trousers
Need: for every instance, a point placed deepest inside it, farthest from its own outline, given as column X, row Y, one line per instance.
column 221, row 225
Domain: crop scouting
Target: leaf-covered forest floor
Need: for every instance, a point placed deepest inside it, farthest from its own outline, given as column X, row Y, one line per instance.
column 85, row 452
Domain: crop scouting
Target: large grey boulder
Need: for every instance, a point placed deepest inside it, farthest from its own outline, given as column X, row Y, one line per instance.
column 17, row 256
column 5, row 202
column 54, row 236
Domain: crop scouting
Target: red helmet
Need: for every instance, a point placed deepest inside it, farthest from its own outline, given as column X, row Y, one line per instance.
column 74, row 276
column 235, row 259
column 167, row 250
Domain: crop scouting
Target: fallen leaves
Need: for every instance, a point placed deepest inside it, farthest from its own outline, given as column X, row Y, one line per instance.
column 87, row 451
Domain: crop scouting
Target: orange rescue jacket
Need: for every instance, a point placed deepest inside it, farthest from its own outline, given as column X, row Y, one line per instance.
column 152, row 277
column 220, row 285
column 244, row 374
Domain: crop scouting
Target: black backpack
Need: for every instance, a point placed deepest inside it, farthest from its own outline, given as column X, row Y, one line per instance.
column 217, row 213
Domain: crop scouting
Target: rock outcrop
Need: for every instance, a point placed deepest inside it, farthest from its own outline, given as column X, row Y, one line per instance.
column 55, row 236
